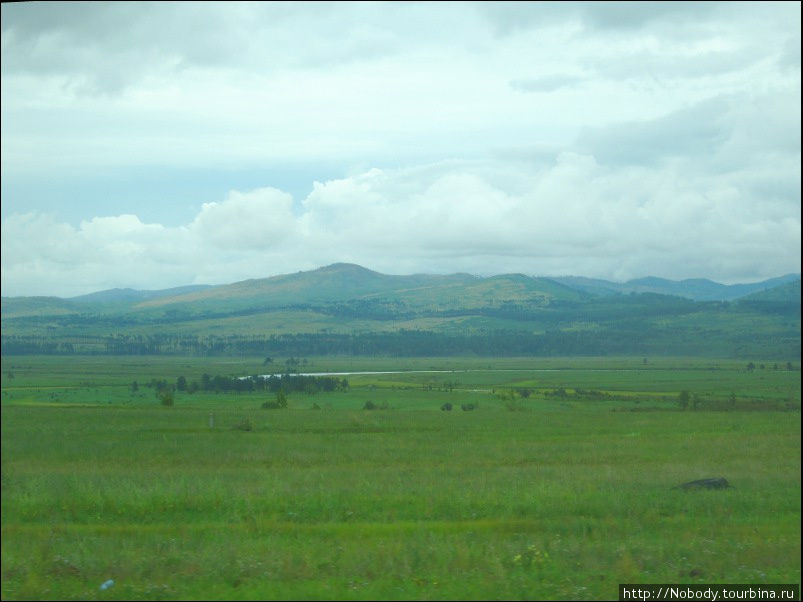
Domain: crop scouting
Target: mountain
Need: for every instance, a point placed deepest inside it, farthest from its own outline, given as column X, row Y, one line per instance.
column 780, row 300
column 112, row 300
column 344, row 282
column 14, row 307
column 785, row 293
column 591, row 286
column 348, row 309
column 341, row 282
column 337, row 282
column 130, row 295
column 698, row 289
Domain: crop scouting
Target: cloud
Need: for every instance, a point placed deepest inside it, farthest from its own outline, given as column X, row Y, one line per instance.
column 690, row 133
column 576, row 217
column 105, row 48
column 790, row 56
column 599, row 139
column 548, row 83
column 104, row 252
column 636, row 15
column 510, row 18
column 251, row 221
column 93, row 86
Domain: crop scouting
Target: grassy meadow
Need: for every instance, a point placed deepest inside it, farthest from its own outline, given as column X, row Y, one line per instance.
column 558, row 485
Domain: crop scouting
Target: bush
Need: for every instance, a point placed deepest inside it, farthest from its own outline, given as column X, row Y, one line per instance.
column 370, row 405
column 467, row 407
column 279, row 404
column 166, row 397
column 447, row 407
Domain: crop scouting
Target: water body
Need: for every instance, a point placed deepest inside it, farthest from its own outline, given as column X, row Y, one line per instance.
column 355, row 373
column 279, row 375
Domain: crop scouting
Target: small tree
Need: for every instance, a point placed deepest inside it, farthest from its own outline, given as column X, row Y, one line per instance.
column 134, row 387
column 165, row 396
column 683, row 399
column 279, row 404
column 181, row 383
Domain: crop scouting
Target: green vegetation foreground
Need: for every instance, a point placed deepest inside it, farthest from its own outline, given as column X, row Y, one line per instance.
column 535, row 495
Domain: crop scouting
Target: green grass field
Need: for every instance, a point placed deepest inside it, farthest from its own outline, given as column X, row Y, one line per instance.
column 533, row 495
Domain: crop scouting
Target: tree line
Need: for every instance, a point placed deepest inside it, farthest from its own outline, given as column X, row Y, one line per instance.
column 287, row 383
column 633, row 337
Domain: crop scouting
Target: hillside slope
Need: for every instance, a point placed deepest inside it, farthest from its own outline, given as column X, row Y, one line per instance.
column 345, row 308
column 698, row 289
column 342, row 282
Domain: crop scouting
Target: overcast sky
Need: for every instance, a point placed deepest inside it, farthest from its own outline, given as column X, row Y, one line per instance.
column 162, row 144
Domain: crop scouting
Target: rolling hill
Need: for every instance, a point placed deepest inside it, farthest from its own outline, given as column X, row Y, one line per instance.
column 698, row 289
column 345, row 308
column 343, row 282
column 130, row 295
column 16, row 307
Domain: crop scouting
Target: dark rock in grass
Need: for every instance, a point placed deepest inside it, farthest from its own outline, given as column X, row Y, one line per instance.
column 715, row 483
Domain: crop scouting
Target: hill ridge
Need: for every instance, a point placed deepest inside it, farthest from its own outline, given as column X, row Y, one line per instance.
column 346, row 309
column 343, row 281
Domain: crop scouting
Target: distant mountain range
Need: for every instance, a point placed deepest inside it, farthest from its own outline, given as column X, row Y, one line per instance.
column 554, row 315
column 346, row 282
column 698, row 289
column 130, row 295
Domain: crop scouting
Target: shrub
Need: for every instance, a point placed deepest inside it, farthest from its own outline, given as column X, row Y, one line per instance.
column 467, row 407
column 447, row 407
column 279, row 404
column 370, row 405
column 166, row 397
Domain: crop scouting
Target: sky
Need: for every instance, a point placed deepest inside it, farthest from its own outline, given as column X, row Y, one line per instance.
column 154, row 145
